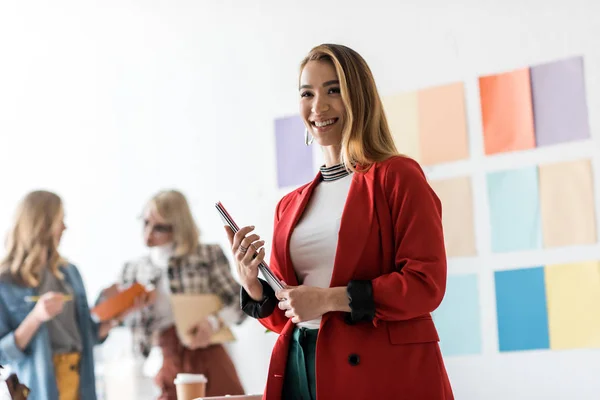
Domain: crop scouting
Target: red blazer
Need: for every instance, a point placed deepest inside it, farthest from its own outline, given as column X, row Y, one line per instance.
column 391, row 234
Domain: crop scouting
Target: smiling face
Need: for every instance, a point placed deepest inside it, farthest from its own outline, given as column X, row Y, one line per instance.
column 321, row 105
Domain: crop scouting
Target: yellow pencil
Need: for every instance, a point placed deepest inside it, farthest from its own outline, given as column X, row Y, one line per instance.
column 33, row 299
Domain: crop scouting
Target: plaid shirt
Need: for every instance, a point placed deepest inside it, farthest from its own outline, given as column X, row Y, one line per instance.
column 205, row 271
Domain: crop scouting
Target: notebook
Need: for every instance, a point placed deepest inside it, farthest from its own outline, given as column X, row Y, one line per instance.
column 189, row 309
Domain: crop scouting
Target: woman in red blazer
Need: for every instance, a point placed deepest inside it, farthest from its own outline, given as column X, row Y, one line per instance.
column 360, row 250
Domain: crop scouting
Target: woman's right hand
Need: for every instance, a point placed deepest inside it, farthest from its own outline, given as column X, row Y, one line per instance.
column 48, row 306
column 249, row 253
column 140, row 302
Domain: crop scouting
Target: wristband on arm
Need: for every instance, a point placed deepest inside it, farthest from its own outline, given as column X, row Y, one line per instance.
column 262, row 308
column 362, row 304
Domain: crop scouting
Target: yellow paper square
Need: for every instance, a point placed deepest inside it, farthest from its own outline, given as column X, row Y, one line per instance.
column 457, row 215
column 573, row 298
column 443, row 124
column 403, row 119
column 567, row 204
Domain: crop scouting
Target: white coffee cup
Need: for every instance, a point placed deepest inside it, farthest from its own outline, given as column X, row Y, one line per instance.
column 190, row 386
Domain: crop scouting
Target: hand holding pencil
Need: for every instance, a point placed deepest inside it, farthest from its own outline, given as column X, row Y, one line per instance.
column 48, row 306
column 35, row 299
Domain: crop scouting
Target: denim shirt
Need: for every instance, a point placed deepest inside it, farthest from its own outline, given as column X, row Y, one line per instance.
column 34, row 366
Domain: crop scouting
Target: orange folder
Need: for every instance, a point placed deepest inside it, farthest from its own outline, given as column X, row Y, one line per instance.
column 118, row 304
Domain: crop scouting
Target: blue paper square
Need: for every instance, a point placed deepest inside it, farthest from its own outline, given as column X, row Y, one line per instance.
column 458, row 318
column 514, row 210
column 521, row 308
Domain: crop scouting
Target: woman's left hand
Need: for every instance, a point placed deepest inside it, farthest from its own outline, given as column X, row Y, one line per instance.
column 303, row 303
column 105, row 327
column 199, row 335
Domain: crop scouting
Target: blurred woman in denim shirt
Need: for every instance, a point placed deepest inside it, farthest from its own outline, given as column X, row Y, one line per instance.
column 46, row 332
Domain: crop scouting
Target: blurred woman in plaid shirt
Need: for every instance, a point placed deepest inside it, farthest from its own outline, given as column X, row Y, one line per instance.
column 178, row 263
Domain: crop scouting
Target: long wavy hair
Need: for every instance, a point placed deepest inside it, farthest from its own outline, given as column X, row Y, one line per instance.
column 366, row 136
column 31, row 245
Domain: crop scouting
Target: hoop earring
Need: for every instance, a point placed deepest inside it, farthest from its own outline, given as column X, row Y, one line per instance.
column 308, row 138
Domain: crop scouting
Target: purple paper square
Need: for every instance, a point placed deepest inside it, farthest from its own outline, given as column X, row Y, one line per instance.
column 294, row 157
column 559, row 102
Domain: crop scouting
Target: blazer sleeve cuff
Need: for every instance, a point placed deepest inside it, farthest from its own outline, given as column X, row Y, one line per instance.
column 9, row 351
column 362, row 304
column 259, row 309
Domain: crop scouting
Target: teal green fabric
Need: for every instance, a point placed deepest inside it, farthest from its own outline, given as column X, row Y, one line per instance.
column 300, row 383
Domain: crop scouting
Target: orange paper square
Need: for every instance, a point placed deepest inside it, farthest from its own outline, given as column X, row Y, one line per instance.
column 507, row 112
column 442, row 124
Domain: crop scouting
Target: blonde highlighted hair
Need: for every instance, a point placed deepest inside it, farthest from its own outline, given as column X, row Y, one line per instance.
column 173, row 207
column 31, row 244
column 366, row 136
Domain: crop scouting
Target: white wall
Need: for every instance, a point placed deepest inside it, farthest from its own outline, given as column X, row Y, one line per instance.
column 107, row 102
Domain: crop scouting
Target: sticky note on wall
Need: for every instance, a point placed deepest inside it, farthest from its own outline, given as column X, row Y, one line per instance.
column 567, row 203
column 514, row 210
column 521, row 309
column 573, row 292
column 507, row 112
column 458, row 318
column 458, row 221
column 294, row 158
column 443, row 124
column 559, row 102
column 402, row 114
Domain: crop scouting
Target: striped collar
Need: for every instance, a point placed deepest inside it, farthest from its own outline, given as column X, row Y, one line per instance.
column 334, row 173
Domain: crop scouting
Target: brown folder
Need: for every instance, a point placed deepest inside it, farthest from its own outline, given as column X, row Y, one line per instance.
column 189, row 309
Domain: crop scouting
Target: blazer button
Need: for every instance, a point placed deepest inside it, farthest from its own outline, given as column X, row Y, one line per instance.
column 353, row 359
column 73, row 367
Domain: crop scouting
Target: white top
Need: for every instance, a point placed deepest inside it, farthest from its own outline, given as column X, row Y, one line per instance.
column 314, row 241
column 159, row 256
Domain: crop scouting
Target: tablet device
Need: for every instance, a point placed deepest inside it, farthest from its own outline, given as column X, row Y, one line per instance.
column 262, row 267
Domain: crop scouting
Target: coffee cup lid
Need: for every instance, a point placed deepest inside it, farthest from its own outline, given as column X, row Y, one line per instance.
column 190, row 378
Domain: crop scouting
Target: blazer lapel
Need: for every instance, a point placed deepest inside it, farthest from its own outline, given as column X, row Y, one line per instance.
column 355, row 227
